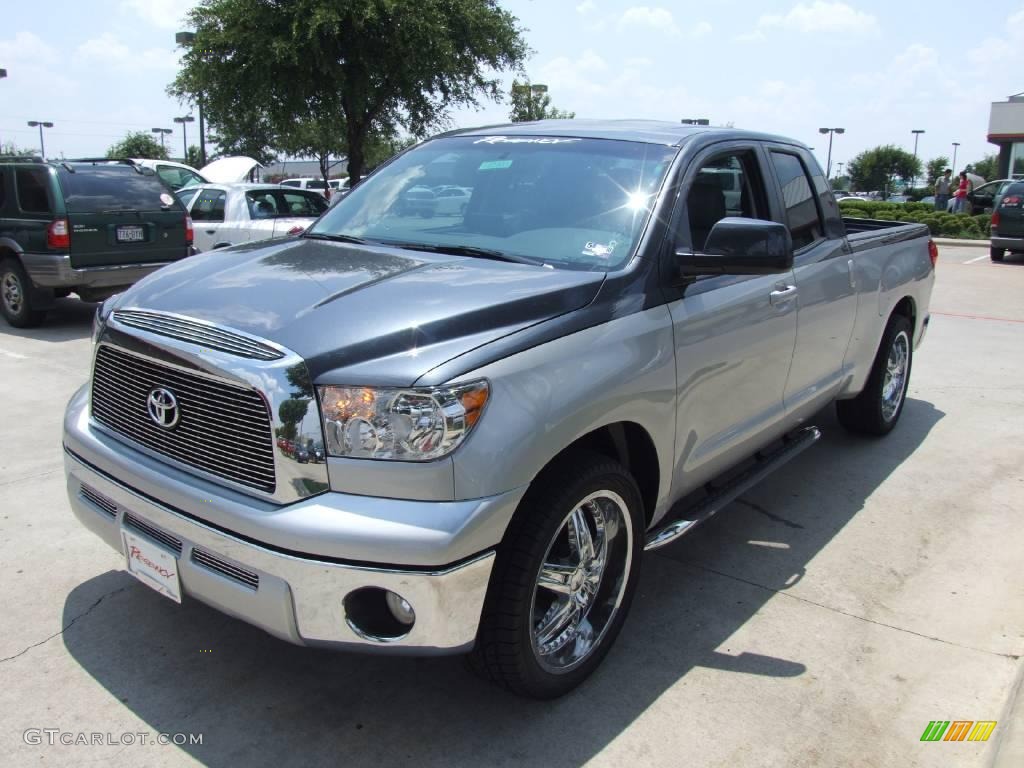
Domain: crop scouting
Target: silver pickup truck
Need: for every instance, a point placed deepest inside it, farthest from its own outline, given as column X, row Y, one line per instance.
column 460, row 433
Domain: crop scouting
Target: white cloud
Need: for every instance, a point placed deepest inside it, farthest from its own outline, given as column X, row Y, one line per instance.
column 651, row 18
column 701, row 29
column 166, row 14
column 822, row 16
column 108, row 49
column 749, row 37
column 26, row 48
column 585, row 7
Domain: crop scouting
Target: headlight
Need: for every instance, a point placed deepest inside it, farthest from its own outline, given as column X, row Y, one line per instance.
column 399, row 424
column 100, row 318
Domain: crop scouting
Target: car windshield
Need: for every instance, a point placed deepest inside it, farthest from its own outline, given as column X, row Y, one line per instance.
column 568, row 203
column 94, row 189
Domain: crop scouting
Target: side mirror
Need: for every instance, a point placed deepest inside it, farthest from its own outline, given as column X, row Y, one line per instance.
column 738, row 246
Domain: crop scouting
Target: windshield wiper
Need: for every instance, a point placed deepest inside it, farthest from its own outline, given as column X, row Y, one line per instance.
column 336, row 238
column 465, row 250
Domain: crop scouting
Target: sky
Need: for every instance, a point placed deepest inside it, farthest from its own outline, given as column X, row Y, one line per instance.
column 879, row 69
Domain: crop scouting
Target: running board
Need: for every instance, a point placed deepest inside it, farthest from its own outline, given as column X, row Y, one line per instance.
column 719, row 498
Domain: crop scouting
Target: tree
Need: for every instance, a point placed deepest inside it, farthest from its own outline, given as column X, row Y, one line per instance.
column 138, row 144
column 246, row 132
column 529, row 105
column 935, row 168
column 193, row 157
column 318, row 139
column 841, row 182
column 10, row 149
column 878, row 168
column 360, row 67
column 987, row 167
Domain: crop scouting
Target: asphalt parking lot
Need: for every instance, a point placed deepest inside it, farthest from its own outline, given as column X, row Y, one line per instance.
column 823, row 620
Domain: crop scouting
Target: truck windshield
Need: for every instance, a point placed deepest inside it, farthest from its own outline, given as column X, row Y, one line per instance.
column 565, row 202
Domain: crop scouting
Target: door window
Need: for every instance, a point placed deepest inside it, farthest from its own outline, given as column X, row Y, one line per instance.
column 178, row 178
column 726, row 185
column 32, row 190
column 803, row 216
column 209, row 206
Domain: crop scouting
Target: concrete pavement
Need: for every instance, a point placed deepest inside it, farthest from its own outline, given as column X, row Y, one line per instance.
column 823, row 620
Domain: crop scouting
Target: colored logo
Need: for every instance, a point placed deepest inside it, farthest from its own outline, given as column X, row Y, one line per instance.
column 958, row 730
column 163, row 409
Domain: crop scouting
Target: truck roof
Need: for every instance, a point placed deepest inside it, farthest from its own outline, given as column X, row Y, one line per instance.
column 645, row 131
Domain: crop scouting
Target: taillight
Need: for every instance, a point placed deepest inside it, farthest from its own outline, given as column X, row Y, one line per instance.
column 296, row 230
column 189, row 233
column 933, row 252
column 58, row 235
column 995, row 219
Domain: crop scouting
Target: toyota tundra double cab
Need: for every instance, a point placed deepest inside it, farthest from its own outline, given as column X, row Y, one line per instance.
column 626, row 326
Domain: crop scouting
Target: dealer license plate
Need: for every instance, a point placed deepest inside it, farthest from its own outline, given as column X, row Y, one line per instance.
column 152, row 565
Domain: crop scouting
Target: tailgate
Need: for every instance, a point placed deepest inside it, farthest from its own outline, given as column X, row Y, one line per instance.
column 1011, row 216
column 126, row 237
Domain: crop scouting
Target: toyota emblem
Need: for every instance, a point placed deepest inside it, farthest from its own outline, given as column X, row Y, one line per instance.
column 163, row 407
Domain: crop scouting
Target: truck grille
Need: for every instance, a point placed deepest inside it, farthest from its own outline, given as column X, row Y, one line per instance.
column 222, row 429
column 198, row 333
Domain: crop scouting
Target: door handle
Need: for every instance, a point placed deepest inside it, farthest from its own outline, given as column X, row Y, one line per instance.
column 783, row 294
column 211, row 231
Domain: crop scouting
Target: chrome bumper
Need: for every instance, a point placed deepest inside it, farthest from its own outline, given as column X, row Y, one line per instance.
column 1009, row 243
column 298, row 599
column 54, row 270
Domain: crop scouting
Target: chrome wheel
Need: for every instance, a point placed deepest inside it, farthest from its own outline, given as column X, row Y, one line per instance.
column 10, row 289
column 581, row 581
column 895, row 382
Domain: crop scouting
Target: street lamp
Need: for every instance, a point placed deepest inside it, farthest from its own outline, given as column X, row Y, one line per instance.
column 917, row 134
column 831, row 132
column 3, row 73
column 955, row 145
column 532, row 91
column 839, row 166
column 41, row 124
column 184, row 132
column 163, row 132
column 186, row 40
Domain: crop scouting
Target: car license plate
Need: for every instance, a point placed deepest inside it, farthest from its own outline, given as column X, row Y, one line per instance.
column 132, row 234
column 152, row 565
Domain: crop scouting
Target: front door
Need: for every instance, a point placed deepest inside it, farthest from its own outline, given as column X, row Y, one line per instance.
column 208, row 218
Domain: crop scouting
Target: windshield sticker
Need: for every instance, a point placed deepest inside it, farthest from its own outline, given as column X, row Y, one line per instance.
column 491, row 165
column 599, row 250
column 523, row 140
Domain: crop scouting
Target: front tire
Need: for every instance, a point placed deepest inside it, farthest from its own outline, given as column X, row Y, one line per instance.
column 877, row 408
column 997, row 254
column 563, row 580
column 17, row 296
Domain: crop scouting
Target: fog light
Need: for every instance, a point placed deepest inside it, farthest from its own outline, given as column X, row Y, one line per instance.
column 400, row 609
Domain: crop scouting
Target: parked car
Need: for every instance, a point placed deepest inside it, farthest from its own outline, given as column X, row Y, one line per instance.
column 928, row 200
column 600, row 355
column 450, row 200
column 851, row 198
column 985, row 197
column 79, row 227
column 324, row 188
column 418, row 200
column 174, row 175
column 1008, row 222
column 230, row 214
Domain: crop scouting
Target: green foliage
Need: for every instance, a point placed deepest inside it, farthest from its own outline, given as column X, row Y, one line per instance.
column 879, row 168
column 987, row 167
column 138, row 144
column 840, row 182
column 10, row 149
column 320, row 69
column 194, row 157
column 527, row 105
column 939, row 223
column 248, row 133
column 935, row 168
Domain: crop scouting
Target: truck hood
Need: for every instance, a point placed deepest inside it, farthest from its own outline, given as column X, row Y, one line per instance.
column 229, row 170
column 363, row 315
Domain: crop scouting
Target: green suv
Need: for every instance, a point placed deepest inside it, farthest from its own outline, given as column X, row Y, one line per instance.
column 81, row 227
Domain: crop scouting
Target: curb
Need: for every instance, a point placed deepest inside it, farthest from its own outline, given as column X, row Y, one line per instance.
column 961, row 243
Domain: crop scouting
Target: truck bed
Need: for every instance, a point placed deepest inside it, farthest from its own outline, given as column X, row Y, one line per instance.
column 869, row 233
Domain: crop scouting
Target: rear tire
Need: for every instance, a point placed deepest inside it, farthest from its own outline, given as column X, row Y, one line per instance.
column 997, row 254
column 563, row 579
column 17, row 296
column 877, row 408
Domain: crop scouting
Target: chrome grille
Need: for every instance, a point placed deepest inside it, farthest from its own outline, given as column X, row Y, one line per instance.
column 195, row 332
column 212, row 562
column 171, row 542
column 97, row 498
column 223, row 429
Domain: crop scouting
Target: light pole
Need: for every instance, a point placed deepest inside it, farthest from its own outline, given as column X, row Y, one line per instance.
column 532, row 90
column 42, row 124
column 831, row 132
column 183, row 120
column 955, row 145
column 839, row 167
column 186, row 40
column 917, row 134
column 163, row 132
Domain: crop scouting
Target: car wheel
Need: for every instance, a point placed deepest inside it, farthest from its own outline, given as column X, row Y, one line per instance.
column 877, row 408
column 997, row 254
column 563, row 579
column 17, row 296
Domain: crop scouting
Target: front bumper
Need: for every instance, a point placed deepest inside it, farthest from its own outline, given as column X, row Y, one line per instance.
column 54, row 270
column 299, row 596
column 1009, row 243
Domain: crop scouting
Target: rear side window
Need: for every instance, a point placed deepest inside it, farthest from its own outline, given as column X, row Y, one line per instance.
column 96, row 189
column 291, row 183
column 178, row 178
column 32, row 190
column 802, row 214
column 209, row 206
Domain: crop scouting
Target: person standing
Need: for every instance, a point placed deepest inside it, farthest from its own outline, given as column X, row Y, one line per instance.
column 960, row 196
column 943, row 187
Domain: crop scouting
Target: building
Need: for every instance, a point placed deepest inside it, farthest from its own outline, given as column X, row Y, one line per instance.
column 1006, row 131
column 304, row 169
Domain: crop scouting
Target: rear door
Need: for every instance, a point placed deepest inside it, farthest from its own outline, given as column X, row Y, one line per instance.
column 34, row 205
column 296, row 209
column 208, row 217
column 120, row 216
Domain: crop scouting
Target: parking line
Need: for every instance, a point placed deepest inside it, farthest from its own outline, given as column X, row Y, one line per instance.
column 15, row 355
column 979, row 258
column 978, row 317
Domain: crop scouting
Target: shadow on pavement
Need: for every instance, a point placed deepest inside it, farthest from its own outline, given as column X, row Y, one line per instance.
column 259, row 701
column 69, row 319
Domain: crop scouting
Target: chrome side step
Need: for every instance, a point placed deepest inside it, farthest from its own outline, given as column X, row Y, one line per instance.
column 718, row 498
